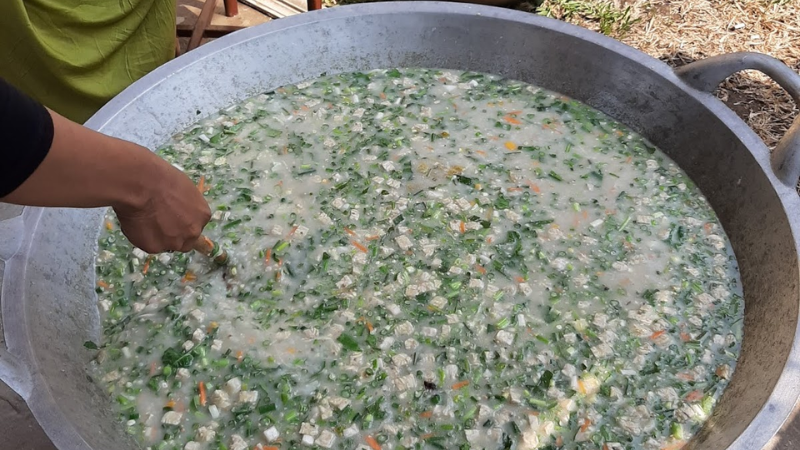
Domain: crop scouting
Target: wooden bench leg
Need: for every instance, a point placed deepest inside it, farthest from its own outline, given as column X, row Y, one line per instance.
column 231, row 8
column 203, row 20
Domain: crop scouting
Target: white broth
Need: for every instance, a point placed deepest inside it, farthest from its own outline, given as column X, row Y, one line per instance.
column 424, row 259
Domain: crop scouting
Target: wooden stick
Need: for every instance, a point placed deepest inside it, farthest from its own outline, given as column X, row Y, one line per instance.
column 211, row 249
column 203, row 20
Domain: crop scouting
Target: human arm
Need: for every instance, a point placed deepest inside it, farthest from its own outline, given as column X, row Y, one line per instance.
column 159, row 207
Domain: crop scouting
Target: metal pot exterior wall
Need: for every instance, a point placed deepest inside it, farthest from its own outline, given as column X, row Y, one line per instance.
column 49, row 305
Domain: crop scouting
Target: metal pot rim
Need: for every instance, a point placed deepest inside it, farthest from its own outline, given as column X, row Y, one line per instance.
column 758, row 434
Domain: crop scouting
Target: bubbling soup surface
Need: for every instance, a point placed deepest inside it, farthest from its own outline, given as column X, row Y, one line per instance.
column 424, row 259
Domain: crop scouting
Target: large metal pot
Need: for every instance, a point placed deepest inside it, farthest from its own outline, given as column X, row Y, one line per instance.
column 48, row 301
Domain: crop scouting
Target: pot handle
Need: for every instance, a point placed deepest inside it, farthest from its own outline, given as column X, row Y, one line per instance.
column 707, row 74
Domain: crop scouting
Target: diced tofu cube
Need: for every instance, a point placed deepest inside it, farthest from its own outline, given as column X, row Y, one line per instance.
column 405, row 382
column 213, row 411
column 276, row 230
column 221, row 399
column 216, row 345
column 233, row 386
column 438, row 302
column 401, row 359
column 404, row 328
column 308, row 440
column 309, row 429
column 272, row 434
column 197, row 315
column 105, row 305
column 248, row 397
column 188, row 345
column 301, row 231
column 504, row 337
column 198, row 335
column 192, row 445
column 403, row 242
column 238, row 443
column 183, row 374
column 172, row 418
column 206, row 434
column 339, row 402
column 326, row 439
column 350, row 431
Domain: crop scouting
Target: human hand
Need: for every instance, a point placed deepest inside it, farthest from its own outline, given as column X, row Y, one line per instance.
column 172, row 215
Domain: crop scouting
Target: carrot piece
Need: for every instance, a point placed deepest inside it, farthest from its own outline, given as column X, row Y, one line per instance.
column 349, row 231
column 374, row 237
column 103, row 284
column 605, row 447
column 383, row 96
column 581, row 386
column 685, row 337
column 189, row 276
column 534, row 187
column 657, row 334
column 359, row 246
column 292, row 231
column 586, row 424
column 512, row 120
column 170, row 404
column 211, row 327
column 426, row 414
column 629, row 159
column 480, row 152
column 480, row 269
column 153, row 368
column 510, row 146
column 460, row 385
column 559, row 441
column 707, row 227
column 239, row 356
column 202, row 388
column 585, row 214
column 373, row 444
column 146, row 267
column 268, row 257
column 369, row 326
column 201, row 185
column 269, row 447
column 462, row 227
column 694, row 396
column 685, row 376
column 109, row 225
column 427, row 436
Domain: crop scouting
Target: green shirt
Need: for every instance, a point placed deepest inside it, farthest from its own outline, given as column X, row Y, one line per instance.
column 75, row 55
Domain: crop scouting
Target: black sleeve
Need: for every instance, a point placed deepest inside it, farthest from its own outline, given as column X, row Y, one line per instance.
column 26, row 133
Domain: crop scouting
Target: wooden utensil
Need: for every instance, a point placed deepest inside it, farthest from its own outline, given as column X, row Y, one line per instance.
column 211, row 249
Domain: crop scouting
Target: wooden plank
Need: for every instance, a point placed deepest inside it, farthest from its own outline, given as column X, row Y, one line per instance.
column 278, row 8
column 212, row 31
column 203, row 20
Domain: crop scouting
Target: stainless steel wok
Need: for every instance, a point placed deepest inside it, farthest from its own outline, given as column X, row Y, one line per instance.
column 48, row 301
